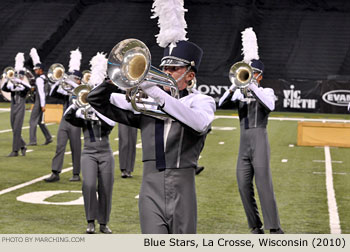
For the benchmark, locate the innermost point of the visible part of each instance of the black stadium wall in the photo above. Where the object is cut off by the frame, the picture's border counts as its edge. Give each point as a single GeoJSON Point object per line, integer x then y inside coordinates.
{"type": "Point", "coordinates": [304, 44]}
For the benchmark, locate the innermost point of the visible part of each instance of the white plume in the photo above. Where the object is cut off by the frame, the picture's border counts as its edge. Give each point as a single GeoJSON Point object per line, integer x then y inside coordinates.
{"type": "Point", "coordinates": [19, 62]}
{"type": "Point", "coordinates": [249, 45]}
{"type": "Point", "coordinates": [74, 62]}
{"type": "Point", "coordinates": [35, 57]}
{"type": "Point", "coordinates": [171, 21]}
{"type": "Point", "coordinates": [98, 69]}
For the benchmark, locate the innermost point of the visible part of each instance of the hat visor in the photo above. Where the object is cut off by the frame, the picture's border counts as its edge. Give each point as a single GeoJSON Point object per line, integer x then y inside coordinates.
{"type": "Point", "coordinates": [172, 62]}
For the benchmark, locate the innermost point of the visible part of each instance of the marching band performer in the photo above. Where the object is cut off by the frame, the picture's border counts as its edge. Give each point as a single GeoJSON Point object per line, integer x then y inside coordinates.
{"type": "Point", "coordinates": [254, 149]}
{"type": "Point", "coordinates": [19, 89]}
{"type": "Point", "coordinates": [39, 102]}
{"type": "Point", "coordinates": [97, 159]}
{"type": "Point", "coordinates": [171, 146]}
{"type": "Point", "coordinates": [66, 130]}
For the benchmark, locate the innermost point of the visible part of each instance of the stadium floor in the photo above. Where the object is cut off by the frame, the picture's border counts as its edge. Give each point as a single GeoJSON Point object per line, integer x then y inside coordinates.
{"type": "Point", "coordinates": [299, 178]}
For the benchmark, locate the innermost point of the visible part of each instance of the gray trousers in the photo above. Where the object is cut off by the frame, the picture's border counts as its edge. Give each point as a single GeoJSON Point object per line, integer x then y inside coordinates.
{"type": "Point", "coordinates": [36, 119]}
{"type": "Point", "coordinates": [127, 147]}
{"type": "Point", "coordinates": [254, 159]}
{"type": "Point", "coordinates": [67, 131]}
{"type": "Point", "coordinates": [98, 167]}
{"type": "Point", "coordinates": [167, 203]}
{"type": "Point", "coordinates": [16, 119]}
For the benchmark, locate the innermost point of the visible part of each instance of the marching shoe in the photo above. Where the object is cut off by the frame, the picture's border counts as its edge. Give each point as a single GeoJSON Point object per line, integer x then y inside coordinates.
{"type": "Point", "coordinates": [276, 231]}
{"type": "Point", "coordinates": [128, 174]}
{"type": "Point", "coordinates": [199, 169]}
{"type": "Point", "coordinates": [105, 229]}
{"type": "Point", "coordinates": [13, 154]}
{"type": "Point", "coordinates": [75, 178]}
{"type": "Point", "coordinates": [53, 177]}
{"type": "Point", "coordinates": [23, 150]}
{"type": "Point", "coordinates": [124, 174]}
{"type": "Point", "coordinates": [47, 141]}
{"type": "Point", "coordinates": [90, 228]}
{"type": "Point", "coordinates": [31, 144]}
{"type": "Point", "coordinates": [257, 231]}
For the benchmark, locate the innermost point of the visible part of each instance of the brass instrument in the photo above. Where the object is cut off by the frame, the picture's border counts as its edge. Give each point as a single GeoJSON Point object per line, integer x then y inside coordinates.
{"type": "Point", "coordinates": [56, 73]}
{"type": "Point", "coordinates": [9, 72]}
{"type": "Point", "coordinates": [241, 74]}
{"type": "Point", "coordinates": [129, 63]}
{"type": "Point", "coordinates": [81, 92]}
{"type": "Point", "coordinates": [86, 77]}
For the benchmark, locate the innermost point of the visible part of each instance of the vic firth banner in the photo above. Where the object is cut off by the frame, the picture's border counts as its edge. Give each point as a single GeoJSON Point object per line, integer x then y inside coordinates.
{"type": "Point", "coordinates": [328, 96]}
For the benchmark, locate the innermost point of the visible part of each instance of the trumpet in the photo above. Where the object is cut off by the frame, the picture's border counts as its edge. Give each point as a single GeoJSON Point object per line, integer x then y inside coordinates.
{"type": "Point", "coordinates": [56, 73]}
{"type": "Point", "coordinates": [241, 74]}
{"type": "Point", "coordinates": [129, 63]}
{"type": "Point", "coordinates": [81, 92]}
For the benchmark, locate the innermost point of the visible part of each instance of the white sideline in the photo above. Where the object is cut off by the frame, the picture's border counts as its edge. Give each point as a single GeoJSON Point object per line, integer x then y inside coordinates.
{"type": "Point", "coordinates": [38, 179]}
{"type": "Point", "coordinates": [31, 182]}
{"type": "Point", "coordinates": [290, 119]}
{"type": "Point", "coordinates": [334, 222]}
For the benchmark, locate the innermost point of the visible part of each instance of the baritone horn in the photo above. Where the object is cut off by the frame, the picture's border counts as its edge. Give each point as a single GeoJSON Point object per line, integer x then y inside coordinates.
{"type": "Point", "coordinates": [86, 77]}
{"type": "Point", "coordinates": [9, 72]}
{"type": "Point", "coordinates": [81, 92]}
{"type": "Point", "coordinates": [56, 73]}
{"type": "Point", "coordinates": [129, 63]}
{"type": "Point", "coordinates": [241, 74]}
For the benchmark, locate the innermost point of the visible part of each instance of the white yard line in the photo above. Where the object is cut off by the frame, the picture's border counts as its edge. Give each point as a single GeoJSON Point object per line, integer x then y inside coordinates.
{"type": "Point", "coordinates": [31, 182]}
{"type": "Point", "coordinates": [290, 119]}
{"type": "Point", "coordinates": [334, 222]}
{"type": "Point", "coordinates": [37, 180]}
{"type": "Point", "coordinates": [25, 127]}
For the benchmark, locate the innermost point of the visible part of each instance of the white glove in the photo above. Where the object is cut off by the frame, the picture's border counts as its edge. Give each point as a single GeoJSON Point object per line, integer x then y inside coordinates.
{"type": "Point", "coordinates": [349, 106]}
{"type": "Point", "coordinates": [79, 114]}
{"type": "Point", "coordinates": [152, 90]}
{"type": "Point", "coordinates": [237, 95]}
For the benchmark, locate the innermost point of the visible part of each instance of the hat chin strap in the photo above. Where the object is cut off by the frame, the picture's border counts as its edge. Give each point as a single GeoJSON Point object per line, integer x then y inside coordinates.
{"type": "Point", "coordinates": [183, 75]}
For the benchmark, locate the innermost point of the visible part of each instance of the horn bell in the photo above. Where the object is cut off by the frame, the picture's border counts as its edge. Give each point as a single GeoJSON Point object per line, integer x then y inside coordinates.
{"type": "Point", "coordinates": [241, 74]}
{"type": "Point", "coordinates": [128, 63]}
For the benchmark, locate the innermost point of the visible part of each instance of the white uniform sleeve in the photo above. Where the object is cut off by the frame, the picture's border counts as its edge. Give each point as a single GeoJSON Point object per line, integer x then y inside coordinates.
{"type": "Point", "coordinates": [40, 88]}
{"type": "Point", "coordinates": [120, 101]}
{"type": "Point", "coordinates": [72, 83]}
{"type": "Point", "coordinates": [265, 96]}
{"type": "Point", "coordinates": [53, 87]}
{"type": "Point", "coordinates": [349, 106]}
{"type": "Point", "coordinates": [62, 91]}
{"type": "Point", "coordinates": [232, 88]}
{"type": "Point", "coordinates": [10, 85]}
{"type": "Point", "coordinates": [21, 82]}
{"type": "Point", "coordinates": [104, 118]}
{"type": "Point", "coordinates": [224, 97]}
{"type": "Point", "coordinates": [19, 87]}
{"type": "Point", "coordinates": [198, 114]}
{"type": "Point", "coordinates": [72, 106]}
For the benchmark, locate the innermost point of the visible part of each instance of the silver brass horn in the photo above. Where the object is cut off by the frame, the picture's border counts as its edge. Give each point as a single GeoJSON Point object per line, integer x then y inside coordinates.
{"type": "Point", "coordinates": [241, 74]}
{"type": "Point", "coordinates": [56, 72]}
{"type": "Point", "coordinates": [86, 77]}
{"type": "Point", "coordinates": [9, 72]}
{"type": "Point", "coordinates": [81, 92]}
{"type": "Point", "coordinates": [129, 63]}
